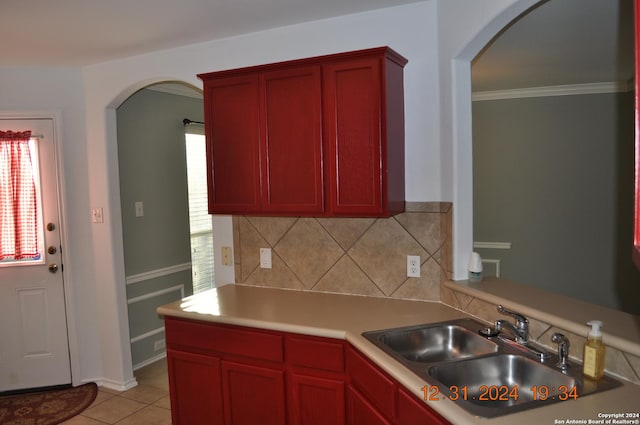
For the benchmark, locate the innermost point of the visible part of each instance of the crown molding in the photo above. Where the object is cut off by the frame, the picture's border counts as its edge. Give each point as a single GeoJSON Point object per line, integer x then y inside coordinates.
{"type": "Point", "coordinates": [561, 90]}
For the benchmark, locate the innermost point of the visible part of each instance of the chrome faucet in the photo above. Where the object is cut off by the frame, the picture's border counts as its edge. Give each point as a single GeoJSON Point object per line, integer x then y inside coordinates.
{"type": "Point", "coordinates": [520, 333]}
{"type": "Point", "coordinates": [563, 350]}
{"type": "Point", "coordinates": [520, 330]}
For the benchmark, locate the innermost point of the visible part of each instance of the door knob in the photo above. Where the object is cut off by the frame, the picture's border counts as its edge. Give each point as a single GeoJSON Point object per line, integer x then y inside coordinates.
{"type": "Point", "coordinates": [51, 227]}
{"type": "Point", "coordinates": [53, 268]}
{"type": "Point", "coordinates": [52, 250]}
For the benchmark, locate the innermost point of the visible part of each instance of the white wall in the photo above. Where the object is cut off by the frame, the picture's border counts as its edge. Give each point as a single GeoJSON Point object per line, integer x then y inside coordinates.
{"type": "Point", "coordinates": [465, 28]}
{"type": "Point", "coordinates": [431, 34]}
{"type": "Point", "coordinates": [411, 30]}
{"type": "Point", "coordinates": [32, 90]}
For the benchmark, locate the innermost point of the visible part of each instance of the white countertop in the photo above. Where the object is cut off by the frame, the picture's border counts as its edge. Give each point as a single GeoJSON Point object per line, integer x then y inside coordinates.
{"type": "Point", "coordinates": [347, 316]}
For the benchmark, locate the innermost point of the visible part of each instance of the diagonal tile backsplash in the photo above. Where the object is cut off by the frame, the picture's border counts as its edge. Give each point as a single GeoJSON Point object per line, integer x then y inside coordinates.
{"type": "Point", "coordinates": [368, 256]}
{"type": "Point", "coordinates": [362, 256]}
{"type": "Point", "coordinates": [308, 250]}
{"type": "Point", "coordinates": [622, 364]}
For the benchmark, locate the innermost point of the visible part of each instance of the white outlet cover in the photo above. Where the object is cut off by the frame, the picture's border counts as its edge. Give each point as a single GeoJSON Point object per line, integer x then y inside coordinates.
{"type": "Point", "coordinates": [226, 256]}
{"type": "Point", "coordinates": [413, 266]}
{"type": "Point", "coordinates": [265, 258]}
{"type": "Point", "coordinates": [159, 345]}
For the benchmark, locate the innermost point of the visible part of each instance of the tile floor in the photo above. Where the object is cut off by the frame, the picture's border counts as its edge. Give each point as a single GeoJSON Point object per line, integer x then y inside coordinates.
{"type": "Point", "coordinates": [145, 404]}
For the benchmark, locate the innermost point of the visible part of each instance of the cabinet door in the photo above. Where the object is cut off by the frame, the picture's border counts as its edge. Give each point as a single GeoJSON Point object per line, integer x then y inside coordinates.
{"type": "Point", "coordinates": [293, 141]}
{"type": "Point", "coordinates": [195, 388]}
{"type": "Point", "coordinates": [374, 383]}
{"type": "Point", "coordinates": [316, 401]}
{"type": "Point", "coordinates": [232, 108]}
{"type": "Point", "coordinates": [352, 125]}
{"type": "Point", "coordinates": [361, 412]}
{"type": "Point", "coordinates": [253, 395]}
{"type": "Point", "coordinates": [412, 411]}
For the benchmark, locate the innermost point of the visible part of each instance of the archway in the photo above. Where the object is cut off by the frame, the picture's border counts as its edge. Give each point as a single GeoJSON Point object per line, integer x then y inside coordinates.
{"type": "Point", "coordinates": [461, 135]}
{"type": "Point", "coordinates": [152, 167]}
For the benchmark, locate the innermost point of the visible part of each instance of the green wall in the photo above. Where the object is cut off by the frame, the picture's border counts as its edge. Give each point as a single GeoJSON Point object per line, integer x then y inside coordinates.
{"type": "Point", "coordinates": [554, 176]}
{"type": "Point", "coordinates": [152, 169]}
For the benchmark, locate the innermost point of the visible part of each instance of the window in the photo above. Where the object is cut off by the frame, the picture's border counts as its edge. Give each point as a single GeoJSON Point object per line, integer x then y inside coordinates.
{"type": "Point", "coordinates": [21, 238]}
{"type": "Point", "coordinates": [200, 223]}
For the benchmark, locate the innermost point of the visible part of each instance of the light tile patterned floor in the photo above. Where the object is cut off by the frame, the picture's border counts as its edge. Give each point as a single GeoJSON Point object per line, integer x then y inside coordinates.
{"type": "Point", "coordinates": [145, 404]}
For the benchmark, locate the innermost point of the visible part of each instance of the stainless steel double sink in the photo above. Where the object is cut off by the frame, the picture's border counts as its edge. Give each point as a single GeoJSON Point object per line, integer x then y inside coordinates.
{"type": "Point", "coordinates": [486, 375]}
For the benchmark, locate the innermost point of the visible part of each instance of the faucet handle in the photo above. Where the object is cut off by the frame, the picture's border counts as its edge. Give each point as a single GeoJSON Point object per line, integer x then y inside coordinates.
{"type": "Point", "coordinates": [520, 319]}
{"type": "Point", "coordinates": [563, 350]}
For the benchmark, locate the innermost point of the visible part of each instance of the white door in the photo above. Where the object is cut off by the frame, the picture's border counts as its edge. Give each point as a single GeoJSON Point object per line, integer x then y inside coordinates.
{"type": "Point", "coordinates": [34, 349]}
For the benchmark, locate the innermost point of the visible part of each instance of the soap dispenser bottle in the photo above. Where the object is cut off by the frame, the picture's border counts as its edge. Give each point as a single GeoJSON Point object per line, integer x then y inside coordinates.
{"type": "Point", "coordinates": [593, 366]}
{"type": "Point", "coordinates": [475, 267]}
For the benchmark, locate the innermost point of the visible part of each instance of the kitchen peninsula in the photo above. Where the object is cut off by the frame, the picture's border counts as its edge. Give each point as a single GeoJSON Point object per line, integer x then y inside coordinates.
{"type": "Point", "coordinates": [315, 335]}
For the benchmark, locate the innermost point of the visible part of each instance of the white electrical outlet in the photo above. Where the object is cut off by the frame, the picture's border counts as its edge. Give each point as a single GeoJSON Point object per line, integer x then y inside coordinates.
{"type": "Point", "coordinates": [226, 256]}
{"type": "Point", "coordinates": [159, 345]}
{"type": "Point", "coordinates": [413, 266]}
{"type": "Point", "coordinates": [265, 258]}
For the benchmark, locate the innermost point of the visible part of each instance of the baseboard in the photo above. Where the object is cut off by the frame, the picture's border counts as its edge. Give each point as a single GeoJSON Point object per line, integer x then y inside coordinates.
{"type": "Point", "coordinates": [115, 385]}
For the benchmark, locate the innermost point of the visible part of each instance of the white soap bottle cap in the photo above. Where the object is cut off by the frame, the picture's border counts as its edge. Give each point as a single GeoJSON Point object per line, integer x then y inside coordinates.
{"type": "Point", "coordinates": [475, 263]}
{"type": "Point", "coordinates": [595, 328]}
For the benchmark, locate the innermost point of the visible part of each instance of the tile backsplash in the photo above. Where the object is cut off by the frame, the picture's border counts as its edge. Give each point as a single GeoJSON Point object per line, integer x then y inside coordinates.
{"type": "Point", "coordinates": [362, 256]}
{"type": "Point", "coordinates": [620, 363]}
{"type": "Point", "coordinates": [368, 256]}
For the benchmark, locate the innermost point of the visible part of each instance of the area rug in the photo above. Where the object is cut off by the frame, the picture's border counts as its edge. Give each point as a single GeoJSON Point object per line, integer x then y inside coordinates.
{"type": "Point", "coordinates": [46, 407]}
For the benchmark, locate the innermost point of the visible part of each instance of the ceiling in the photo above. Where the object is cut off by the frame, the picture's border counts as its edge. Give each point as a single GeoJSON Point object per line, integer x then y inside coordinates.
{"type": "Point", "coordinates": [560, 42]}
{"type": "Point", "coordinates": [82, 32]}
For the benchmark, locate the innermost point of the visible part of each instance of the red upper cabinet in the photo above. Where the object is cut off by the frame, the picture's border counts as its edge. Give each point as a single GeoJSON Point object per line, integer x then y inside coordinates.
{"type": "Point", "coordinates": [233, 104]}
{"type": "Point", "coordinates": [320, 136]}
{"type": "Point", "coordinates": [292, 146]}
{"type": "Point", "coordinates": [264, 142]}
{"type": "Point", "coordinates": [364, 134]}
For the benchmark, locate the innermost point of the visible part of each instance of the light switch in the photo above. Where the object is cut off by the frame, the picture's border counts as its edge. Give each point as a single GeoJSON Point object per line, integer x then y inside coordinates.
{"type": "Point", "coordinates": [265, 258]}
{"type": "Point", "coordinates": [139, 209]}
{"type": "Point", "coordinates": [96, 215]}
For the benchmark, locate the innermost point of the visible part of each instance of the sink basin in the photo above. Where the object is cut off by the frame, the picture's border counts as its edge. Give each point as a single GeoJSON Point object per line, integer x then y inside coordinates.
{"type": "Point", "coordinates": [482, 374]}
{"type": "Point", "coordinates": [435, 343]}
{"type": "Point", "coordinates": [490, 381]}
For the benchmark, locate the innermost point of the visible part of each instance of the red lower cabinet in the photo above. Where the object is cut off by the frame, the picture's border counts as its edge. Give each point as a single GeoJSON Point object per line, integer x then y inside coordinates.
{"type": "Point", "coordinates": [374, 384]}
{"type": "Point", "coordinates": [361, 412]}
{"type": "Point", "coordinates": [413, 411]}
{"type": "Point", "coordinates": [316, 380]}
{"type": "Point", "coordinates": [231, 375]}
{"type": "Point", "coordinates": [316, 401]}
{"type": "Point", "coordinates": [252, 395]}
{"type": "Point", "coordinates": [196, 393]}
{"type": "Point", "coordinates": [377, 398]}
